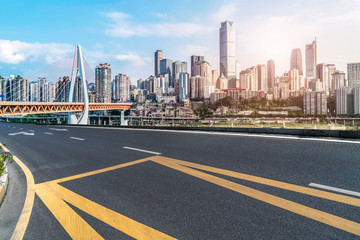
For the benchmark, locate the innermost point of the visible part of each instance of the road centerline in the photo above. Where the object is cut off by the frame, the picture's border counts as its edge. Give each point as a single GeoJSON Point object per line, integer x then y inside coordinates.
{"type": "Point", "coordinates": [335, 189]}
{"type": "Point", "coordinates": [142, 150]}
{"type": "Point", "coordinates": [76, 138]}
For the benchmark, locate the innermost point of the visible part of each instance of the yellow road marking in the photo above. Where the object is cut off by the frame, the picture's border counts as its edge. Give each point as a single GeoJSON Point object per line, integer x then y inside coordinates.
{"type": "Point", "coordinates": [29, 200]}
{"type": "Point", "coordinates": [329, 219]}
{"type": "Point", "coordinates": [82, 175]}
{"type": "Point", "coordinates": [287, 186]}
{"type": "Point", "coordinates": [54, 195]}
{"type": "Point", "coordinates": [75, 226]}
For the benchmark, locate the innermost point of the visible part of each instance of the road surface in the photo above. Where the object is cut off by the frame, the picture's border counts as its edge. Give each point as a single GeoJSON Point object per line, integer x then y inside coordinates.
{"type": "Point", "coordinates": [129, 183]}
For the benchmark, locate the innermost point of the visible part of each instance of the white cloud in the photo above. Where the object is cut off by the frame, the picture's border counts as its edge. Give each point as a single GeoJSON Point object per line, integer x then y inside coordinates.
{"type": "Point", "coordinates": [161, 15]}
{"type": "Point", "coordinates": [132, 58]}
{"type": "Point", "coordinates": [225, 12]}
{"type": "Point", "coordinates": [123, 26]}
{"type": "Point", "coordinates": [15, 52]}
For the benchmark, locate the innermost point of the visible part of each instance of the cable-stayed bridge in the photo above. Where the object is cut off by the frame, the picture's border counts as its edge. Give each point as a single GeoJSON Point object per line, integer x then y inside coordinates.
{"type": "Point", "coordinates": [43, 94]}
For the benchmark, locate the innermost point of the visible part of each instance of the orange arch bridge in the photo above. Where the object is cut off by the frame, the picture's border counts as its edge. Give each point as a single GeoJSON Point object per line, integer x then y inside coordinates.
{"type": "Point", "coordinates": [24, 108]}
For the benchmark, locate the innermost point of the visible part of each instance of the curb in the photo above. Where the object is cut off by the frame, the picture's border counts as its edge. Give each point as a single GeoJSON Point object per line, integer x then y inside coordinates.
{"type": "Point", "coordinates": [343, 134]}
{"type": "Point", "coordinates": [4, 181]}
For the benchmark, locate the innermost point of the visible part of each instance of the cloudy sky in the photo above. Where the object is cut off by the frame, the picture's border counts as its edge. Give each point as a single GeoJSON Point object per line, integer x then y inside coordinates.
{"type": "Point", "coordinates": [33, 34]}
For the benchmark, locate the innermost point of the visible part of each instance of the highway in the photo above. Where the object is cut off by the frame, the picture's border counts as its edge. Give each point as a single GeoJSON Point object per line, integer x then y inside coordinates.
{"type": "Point", "coordinates": [111, 183]}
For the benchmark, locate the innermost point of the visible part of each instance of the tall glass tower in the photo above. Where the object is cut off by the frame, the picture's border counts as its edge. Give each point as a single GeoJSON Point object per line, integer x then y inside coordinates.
{"type": "Point", "coordinates": [311, 59]}
{"type": "Point", "coordinates": [296, 60]}
{"type": "Point", "coordinates": [227, 50]}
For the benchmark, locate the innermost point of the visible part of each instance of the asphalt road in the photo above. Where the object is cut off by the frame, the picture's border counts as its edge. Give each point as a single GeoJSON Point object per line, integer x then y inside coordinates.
{"type": "Point", "coordinates": [161, 195]}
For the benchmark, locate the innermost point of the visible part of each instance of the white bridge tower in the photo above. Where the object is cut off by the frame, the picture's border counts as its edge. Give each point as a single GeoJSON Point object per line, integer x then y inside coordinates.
{"type": "Point", "coordinates": [78, 70]}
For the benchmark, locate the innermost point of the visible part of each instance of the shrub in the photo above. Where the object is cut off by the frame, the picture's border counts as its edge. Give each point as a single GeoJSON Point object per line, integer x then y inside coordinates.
{"type": "Point", "coordinates": [5, 159]}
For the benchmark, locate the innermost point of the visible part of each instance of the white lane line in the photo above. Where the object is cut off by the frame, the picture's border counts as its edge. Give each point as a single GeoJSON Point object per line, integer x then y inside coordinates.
{"type": "Point", "coordinates": [48, 133]}
{"type": "Point", "coordinates": [59, 129]}
{"type": "Point", "coordinates": [80, 139]}
{"type": "Point", "coordinates": [31, 130]}
{"type": "Point", "coordinates": [142, 150]}
{"type": "Point", "coordinates": [21, 133]}
{"type": "Point", "coordinates": [236, 134]}
{"type": "Point", "coordinates": [334, 189]}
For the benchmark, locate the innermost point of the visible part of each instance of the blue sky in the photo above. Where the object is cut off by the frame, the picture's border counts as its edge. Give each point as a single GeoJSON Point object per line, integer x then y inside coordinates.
{"type": "Point", "coordinates": [126, 33]}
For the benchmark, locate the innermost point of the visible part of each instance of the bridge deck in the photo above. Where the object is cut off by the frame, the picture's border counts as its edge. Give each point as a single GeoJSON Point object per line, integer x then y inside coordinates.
{"type": "Point", "coordinates": [24, 108]}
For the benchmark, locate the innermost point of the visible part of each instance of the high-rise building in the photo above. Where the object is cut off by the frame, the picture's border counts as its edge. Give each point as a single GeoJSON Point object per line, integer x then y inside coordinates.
{"type": "Point", "coordinates": [315, 103]}
{"type": "Point", "coordinates": [178, 67]}
{"type": "Point", "coordinates": [227, 50]}
{"type": "Point", "coordinates": [159, 55]}
{"type": "Point", "coordinates": [331, 70]}
{"type": "Point", "coordinates": [204, 69]}
{"type": "Point", "coordinates": [18, 89]}
{"type": "Point", "coordinates": [184, 86]}
{"type": "Point", "coordinates": [338, 80]}
{"type": "Point", "coordinates": [262, 78]}
{"type": "Point", "coordinates": [194, 60]}
{"type": "Point", "coordinates": [271, 73]}
{"type": "Point", "coordinates": [197, 87]}
{"type": "Point", "coordinates": [3, 88]}
{"type": "Point", "coordinates": [353, 70]}
{"type": "Point", "coordinates": [311, 59]}
{"type": "Point", "coordinates": [322, 73]}
{"type": "Point", "coordinates": [344, 101]}
{"type": "Point", "coordinates": [103, 83]}
{"type": "Point", "coordinates": [166, 69]}
{"type": "Point", "coordinates": [294, 79]}
{"type": "Point", "coordinates": [62, 89]}
{"type": "Point", "coordinates": [296, 60]}
{"type": "Point", "coordinates": [122, 88]}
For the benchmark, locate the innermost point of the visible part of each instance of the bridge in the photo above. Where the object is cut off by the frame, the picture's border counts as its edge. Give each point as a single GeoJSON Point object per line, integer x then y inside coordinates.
{"type": "Point", "coordinates": [78, 112]}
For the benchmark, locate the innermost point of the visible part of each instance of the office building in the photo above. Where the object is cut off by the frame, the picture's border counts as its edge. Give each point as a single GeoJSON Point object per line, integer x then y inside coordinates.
{"type": "Point", "coordinates": [311, 59]}
{"type": "Point", "coordinates": [296, 60]}
{"type": "Point", "coordinates": [194, 60]}
{"type": "Point", "coordinates": [103, 83]}
{"type": "Point", "coordinates": [338, 80]}
{"type": "Point", "coordinates": [159, 55]}
{"type": "Point", "coordinates": [262, 78]}
{"type": "Point", "coordinates": [271, 73]}
{"type": "Point", "coordinates": [197, 87]}
{"type": "Point", "coordinates": [204, 69]}
{"type": "Point", "coordinates": [184, 87]}
{"type": "Point", "coordinates": [344, 101]}
{"type": "Point", "coordinates": [294, 79]}
{"type": "Point", "coordinates": [353, 70]}
{"type": "Point", "coordinates": [227, 50]}
{"type": "Point", "coordinates": [166, 68]}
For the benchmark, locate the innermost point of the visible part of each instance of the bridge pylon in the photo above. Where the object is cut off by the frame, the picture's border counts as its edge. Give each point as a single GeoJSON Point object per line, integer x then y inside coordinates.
{"type": "Point", "coordinates": [78, 70]}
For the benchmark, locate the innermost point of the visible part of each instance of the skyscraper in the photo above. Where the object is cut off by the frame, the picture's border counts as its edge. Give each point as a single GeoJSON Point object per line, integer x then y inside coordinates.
{"type": "Point", "coordinates": [296, 60]}
{"type": "Point", "coordinates": [194, 60]}
{"type": "Point", "coordinates": [311, 59]}
{"type": "Point", "coordinates": [103, 83]}
{"type": "Point", "coordinates": [271, 73]}
{"type": "Point", "coordinates": [262, 80]}
{"type": "Point", "coordinates": [353, 70]}
{"type": "Point", "coordinates": [159, 55]}
{"type": "Point", "coordinates": [166, 68]}
{"type": "Point", "coordinates": [122, 88]}
{"type": "Point", "coordinates": [184, 85]}
{"type": "Point", "coordinates": [227, 50]}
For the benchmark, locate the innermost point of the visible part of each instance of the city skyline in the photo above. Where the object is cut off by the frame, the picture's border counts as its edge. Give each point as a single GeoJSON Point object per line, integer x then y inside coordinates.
{"type": "Point", "coordinates": [128, 43]}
